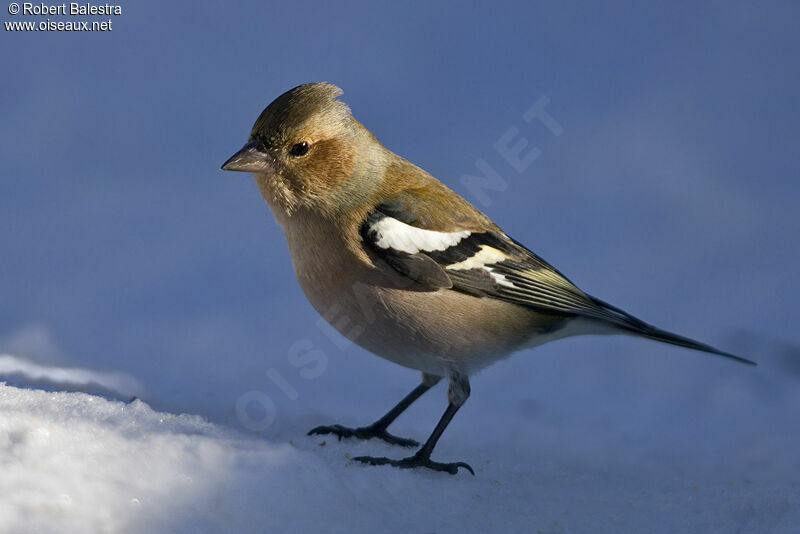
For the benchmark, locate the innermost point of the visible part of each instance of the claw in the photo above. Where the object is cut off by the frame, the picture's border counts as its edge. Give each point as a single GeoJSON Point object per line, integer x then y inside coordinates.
{"type": "Point", "coordinates": [416, 461]}
{"type": "Point", "coordinates": [364, 432]}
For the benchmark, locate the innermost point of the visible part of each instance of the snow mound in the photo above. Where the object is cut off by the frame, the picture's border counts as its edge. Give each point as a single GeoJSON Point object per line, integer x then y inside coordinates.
{"type": "Point", "coordinates": [73, 462]}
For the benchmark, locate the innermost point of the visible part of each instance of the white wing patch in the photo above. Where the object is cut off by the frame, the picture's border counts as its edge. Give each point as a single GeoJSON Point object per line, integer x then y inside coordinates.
{"type": "Point", "coordinates": [485, 256]}
{"type": "Point", "coordinates": [500, 278]}
{"type": "Point", "coordinates": [481, 260]}
{"type": "Point", "coordinates": [397, 235]}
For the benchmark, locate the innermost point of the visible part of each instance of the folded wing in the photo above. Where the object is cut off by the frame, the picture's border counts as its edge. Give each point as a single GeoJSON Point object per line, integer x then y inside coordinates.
{"type": "Point", "coordinates": [485, 262]}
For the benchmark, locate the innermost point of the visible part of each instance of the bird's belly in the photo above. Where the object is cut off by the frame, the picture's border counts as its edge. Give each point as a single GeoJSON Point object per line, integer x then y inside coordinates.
{"type": "Point", "coordinates": [433, 331]}
{"type": "Point", "coordinates": [369, 315]}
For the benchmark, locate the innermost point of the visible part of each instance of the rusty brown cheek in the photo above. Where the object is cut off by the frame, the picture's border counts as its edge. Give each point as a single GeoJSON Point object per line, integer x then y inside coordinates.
{"type": "Point", "coordinates": [329, 164]}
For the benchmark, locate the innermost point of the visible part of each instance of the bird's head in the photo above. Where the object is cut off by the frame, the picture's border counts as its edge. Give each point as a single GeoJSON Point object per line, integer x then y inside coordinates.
{"type": "Point", "coordinates": [307, 151]}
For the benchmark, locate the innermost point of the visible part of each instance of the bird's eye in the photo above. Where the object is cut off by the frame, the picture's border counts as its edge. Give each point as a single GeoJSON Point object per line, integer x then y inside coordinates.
{"type": "Point", "coordinates": [299, 149]}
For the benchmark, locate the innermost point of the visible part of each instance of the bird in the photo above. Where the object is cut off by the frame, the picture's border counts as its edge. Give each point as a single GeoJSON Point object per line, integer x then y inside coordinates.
{"type": "Point", "coordinates": [406, 268]}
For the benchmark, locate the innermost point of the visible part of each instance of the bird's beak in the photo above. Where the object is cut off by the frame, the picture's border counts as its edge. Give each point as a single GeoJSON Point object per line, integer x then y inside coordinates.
{"type": "Point", "coordinates": [251, 158]}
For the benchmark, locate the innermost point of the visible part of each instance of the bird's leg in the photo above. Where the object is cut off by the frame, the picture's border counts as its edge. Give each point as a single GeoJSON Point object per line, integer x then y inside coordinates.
{"type": "Point", "coordinates": [457, 394]}
{"type": "Point", "coordinates": [378, 428]}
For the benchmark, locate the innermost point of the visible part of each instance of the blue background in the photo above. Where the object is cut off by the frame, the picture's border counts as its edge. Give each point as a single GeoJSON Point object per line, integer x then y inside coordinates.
{"type": "Point", "coordinates": [672, 192]}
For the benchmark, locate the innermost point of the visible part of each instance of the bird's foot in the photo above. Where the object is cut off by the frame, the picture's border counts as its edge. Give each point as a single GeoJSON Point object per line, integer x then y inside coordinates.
{"type": "Point", "coordinates": [364, 432]}
{"type": "Point", "coordinates": [416, 461]}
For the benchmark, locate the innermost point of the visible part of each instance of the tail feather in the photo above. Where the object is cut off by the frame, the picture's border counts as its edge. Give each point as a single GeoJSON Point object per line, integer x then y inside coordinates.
{"type": "Point", "coordinates": [674, 339]}
{"type": "Point", "coordinates": [637, 327]}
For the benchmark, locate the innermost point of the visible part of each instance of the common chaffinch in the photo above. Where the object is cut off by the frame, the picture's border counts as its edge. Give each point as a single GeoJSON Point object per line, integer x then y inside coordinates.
{"type": "Point", "coordinates": [403, 266]}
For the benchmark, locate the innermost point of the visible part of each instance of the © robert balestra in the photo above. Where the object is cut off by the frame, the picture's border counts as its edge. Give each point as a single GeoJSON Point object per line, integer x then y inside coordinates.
{"type": "Point", "coordinates": [29, 8]}
{"type": "Point", "coordinates": [418, 275]}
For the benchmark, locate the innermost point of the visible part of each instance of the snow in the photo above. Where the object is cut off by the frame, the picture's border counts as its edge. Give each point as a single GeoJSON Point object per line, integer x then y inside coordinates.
{"type": "Point", "coordinates": [77, 462]}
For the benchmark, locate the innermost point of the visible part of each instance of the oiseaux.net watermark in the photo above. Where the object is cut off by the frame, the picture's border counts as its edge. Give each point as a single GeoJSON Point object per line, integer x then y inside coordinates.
{"type": "Point", "coordinates": [65, 17]}
{"type": "Point", "coordinates": [514, 154]}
